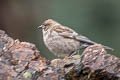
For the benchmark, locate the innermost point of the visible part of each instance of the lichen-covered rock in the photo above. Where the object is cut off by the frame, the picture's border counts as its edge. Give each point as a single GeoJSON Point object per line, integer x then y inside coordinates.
{"type": "Point", "coordinates": [22, 61]}
{"type": "Point", "coordinates": [95, 64]}
{"type": "Point", "coordinates": [17, 57]}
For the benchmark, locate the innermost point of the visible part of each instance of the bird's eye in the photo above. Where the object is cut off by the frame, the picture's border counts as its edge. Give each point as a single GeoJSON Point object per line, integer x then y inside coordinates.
{"type": "Point", "coordinates": [46, 24]}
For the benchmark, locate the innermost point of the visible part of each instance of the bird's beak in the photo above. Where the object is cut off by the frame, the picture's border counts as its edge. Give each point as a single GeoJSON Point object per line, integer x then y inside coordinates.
{"type": "Point", "coordinates": [40, 27]}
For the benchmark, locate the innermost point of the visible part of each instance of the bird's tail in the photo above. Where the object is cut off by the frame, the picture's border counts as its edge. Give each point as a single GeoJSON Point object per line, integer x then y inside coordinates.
{"type": "Point", "coordinates": [106, 47]}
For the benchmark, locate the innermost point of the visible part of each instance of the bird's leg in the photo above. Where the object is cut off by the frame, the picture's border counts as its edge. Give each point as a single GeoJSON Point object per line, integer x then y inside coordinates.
{"type": "Point", "coordinates": [75, 52]}
{"type": "Point", "coordinates": [72, 54]}
{"type": "Point", "coordinates": [83, 46]}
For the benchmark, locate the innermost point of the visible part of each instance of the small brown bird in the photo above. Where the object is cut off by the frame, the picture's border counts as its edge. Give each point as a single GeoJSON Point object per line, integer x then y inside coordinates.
{"type": "Point", "coordinates": [63, 41]}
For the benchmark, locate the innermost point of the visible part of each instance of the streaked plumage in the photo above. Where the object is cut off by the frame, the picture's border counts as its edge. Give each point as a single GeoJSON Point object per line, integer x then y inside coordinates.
{"type": "Point", "coordinates": [62, 40]}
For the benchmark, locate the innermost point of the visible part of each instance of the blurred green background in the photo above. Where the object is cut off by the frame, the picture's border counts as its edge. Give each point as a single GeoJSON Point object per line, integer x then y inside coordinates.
{"type": "Point", "coordinates": [99, 20]}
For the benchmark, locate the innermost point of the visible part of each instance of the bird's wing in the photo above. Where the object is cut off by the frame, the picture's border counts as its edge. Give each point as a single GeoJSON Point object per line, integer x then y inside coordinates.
{"type": "Point", "coordinates": [69, 33]}
{"type": "Point", "coordinates": [65, 31]}
{"type": "Point", "coordinates": [84, 39]}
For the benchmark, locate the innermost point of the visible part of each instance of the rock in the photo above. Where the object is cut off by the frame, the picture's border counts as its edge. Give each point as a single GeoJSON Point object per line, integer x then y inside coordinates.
{"type": "Point", "coordinates": [22, 61]}
{"type": "Point", "coordinates": [95, 64]}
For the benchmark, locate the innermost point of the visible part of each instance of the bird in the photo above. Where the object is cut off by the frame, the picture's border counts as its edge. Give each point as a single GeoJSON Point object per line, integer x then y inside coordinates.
{"type": "Point", "coordinates": [63, 41]}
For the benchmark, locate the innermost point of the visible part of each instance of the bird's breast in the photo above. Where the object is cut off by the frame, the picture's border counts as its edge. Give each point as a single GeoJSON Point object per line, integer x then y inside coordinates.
{"type": "Point", "coordinates": [61, 46]}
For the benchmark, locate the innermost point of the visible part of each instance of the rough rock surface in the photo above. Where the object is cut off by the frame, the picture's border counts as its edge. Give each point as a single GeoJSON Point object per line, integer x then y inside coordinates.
{"type": "Point", "coordinates": [22, 61]}
{"type": "Point", "coordinates": [96, 64]}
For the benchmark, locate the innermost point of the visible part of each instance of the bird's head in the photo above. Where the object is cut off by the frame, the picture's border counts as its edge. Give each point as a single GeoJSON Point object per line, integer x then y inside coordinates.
{"type": "Point", "coordinates": [48, 24]}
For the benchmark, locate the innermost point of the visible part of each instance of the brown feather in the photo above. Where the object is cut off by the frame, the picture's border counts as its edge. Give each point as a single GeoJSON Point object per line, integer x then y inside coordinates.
{"type": "Point", "coordinates": [61, 30]}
